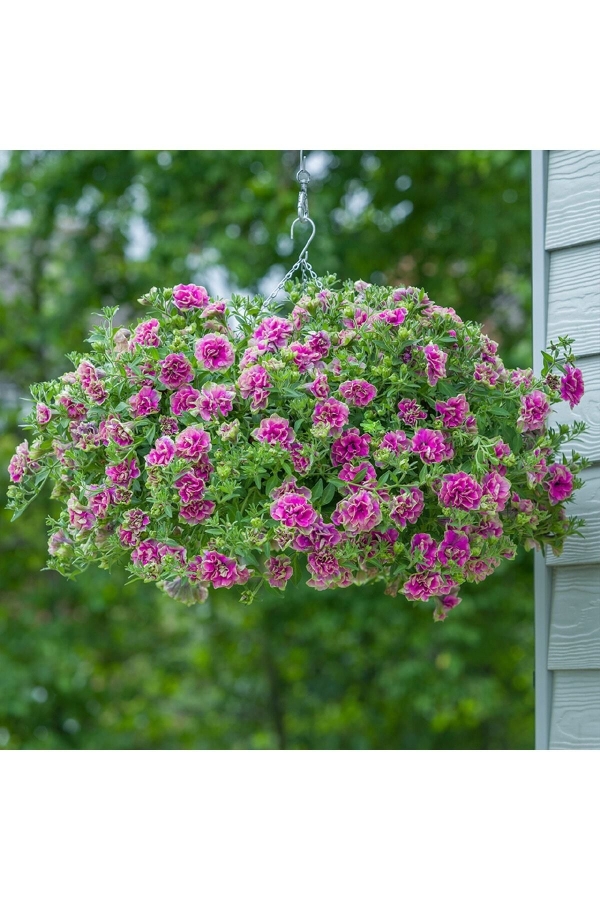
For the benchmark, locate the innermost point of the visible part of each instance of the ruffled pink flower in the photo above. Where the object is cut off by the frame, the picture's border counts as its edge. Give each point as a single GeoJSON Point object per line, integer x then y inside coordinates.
{"type": "Point", "coordinates": [454, 548]}
{"type": "Point", "coordinates": [304, 357]}
{"type": "Point", "coordinates": [280, 571]}
{"type": "Point", "coordinates": [361, 286]}
{"type": "Point", "coordinates": [534, 410]}
{"type": "Point", "coordinates": [80, 517]}
{"type": "Point", "coordinates": [431, 447]}
{"type": "Point", "coordinates": [123, 473]}
{"type": "Point", "coordinates": [252, 354]}
{"type": "Point", "coordinates": [99, 499]}
{"type": "Point", "coordinates": [501, 450]}
{"type": "Point", "coordinates": [87, 374]}
{"type": "Point", "coordinates": [21, 463]}
{"type": "Point", "coordinates": [293, 511]}
{"type": "Point", "coordinates": [479, 569]}
{"type": "Point", "coordinates": [221, 571]}
{"type": "Point", "coordinates": [215, 400]}
{"type": "Point", "coordinates": [197, 511]}
{"type": "Point", "coordinates": [350, 445]}
{"type": "Point", "coordinates": [407, 506]}
{"type": "Point", "coordinates": [361, 476]}
{"type": "Point", "coordinates": [75, 411]}
{"type": "Point", "coordinates": [146, 334]}
{"type": "Point", "coordinates": [146, 553]}
{"type": "Point", "coordinates": [332, 413]}
{"type": "Point", "coordinates": [43, 414]}
{"type": "Point", "coordinates": [497, 487]}
{"type": "Point", "coordinates": [319, 343]}
{"type": "Point", "coordinates": [213, 351]}
{"type": "Point", "coordinates": [460, 491]}
{"type": "Point", "coordinates": [427, 547]}
{"type": "Point", "coordinates": [486, 373]}
{"type": "Point", "coordinates": [192, 443]}
{"type": "Point", "coordinates": [395, 441]}
{"type": "Point", "coordinates": [410, 412]}
{"type": "Point", "coordinates": [522, 377]}
{"type": "Point", "coordinates": [436, 363]}
{"type": "Point", "coordinates": [191, 486]}
{"type": "Point", "coordinates": [274, 331]}
{"type": "Point", "coordinates": [135, 522]}
{"type": "Point", "coordinates": [184, 400]}
{"type": "Point", "coordinates": [145, 402]}
{"type": "Point", "coordinates": [59, 543]}
{"type": "Point", "coordinates": [422, 586]}
{"type": "Point", "coordinates": [560, 483]}
{"type": "Point", "coordinates": [117, 432]}
{"type": "Point", "coordinates": [571, 386]}
{"type": "Point", "coordinates": [274, 430]}
{"type": "Point", "coordinates": [324, 566]}
{"type": "Point", "coordinates": [190, 296]}
{"type": "Point", "coordinates": [393, 316]}
{"type": "Point", "coordinates": [213, 310]}
{"type": "Point", "coordinates": [254, 383]}
{"type": "Point", "coordinates": [537, 471]}
{"type": "Point", "coordinates": [319, 387]}
{"type": "Point", "coordinates": [358, 512]}
{"type": "Point", "coordinates": [162, 453]}
{"type": "Point", "coordinates": [453, 411]}
{"type": "Point", "coordinates": [290, 486]}
{"type": "Point", "coordinates": [358, 392]}
{"type": "Point", "coordinates": [175, 371]}
{"type": "Point", "coordinates": [319, 536]}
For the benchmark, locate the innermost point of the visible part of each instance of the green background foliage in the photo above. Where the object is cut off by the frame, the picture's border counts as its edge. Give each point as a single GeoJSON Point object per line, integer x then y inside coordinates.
{"type": "Point", "coordinates": [95, 664]}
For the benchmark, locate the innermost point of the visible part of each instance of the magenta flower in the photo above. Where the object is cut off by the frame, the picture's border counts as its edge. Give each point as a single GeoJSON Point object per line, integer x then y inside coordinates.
{"type": "Point", "coordinates": [319, 387]}
{"type": "Point", "coordinates": [59, 543]}
{"type": "Point", "coordinates": [454, 548]}
{"type": "Point", "coordinates": [80, 517]}
{"type": "Point", "coordinates": [213, 351]}
{"type": "Point", "coordinates": [304, 356]}
{"type": "Point", "coordinates": [162, 453]}
{"type": "Point", "coordinates": [533, 412]}
{"type": "Point", "coordinates": [393, 316]}
{"type": "Point", "coordinates": [280, 571]}
{"type": "Point", "coordinates": [460, 491]}
{"type": "Point", "coordinates": [192, 443]}
{"type": "Point", "coordinates": [560, 483]}
{"type": "Point", "coordinates": [99, 499]}
{"type": "Point", "coordinates": [175, 371]}
{"type": "Point", "coordinates": [522, 377]}
{"type": "Point", "coordinates": [190, 296]}
{"type": "Point", "coordinates": [146, 334]}
{"type": "Point", "coordinates": [319, 536]}
{"type": "Point", "coordinates": [274, 331]}
{"type": "Point", "coordinates": [501, 449]}
{"type": "Point", "coordinates": [290, 486]}
{"type": "Point", "coordinates": [361, 286]}
{"type": "Point", "coordinates": [332, 413]}
{"type": "Point", "coordinates": [274, 430]}
{"type": "Point", "coordinates": [117, 432]}
{"type": "Point", "coordinates": [197, 511]}
{"type": "Point", "coordinates": [487, 373]}
{"type": "Point", "coordinates": [410, 412]}
{"type": "Point", "coordinates": [213, 310]}
{"type": "Point", "coordinates": [146, 553]}
{"type": "Point", "coordinates": [358, 512]}
{"type": "Point", "coordinates": [324, 566]}
{"type": "Point", "coordinates": [96, 392]}
{"type": "Point", "coordinates": [123, 473]}
{"type": "Point", "coordinates": [75, 411]}
{"type": "Point", "coordinates": [350, 445]}
{"type": "Point", "coordinates": [430, 446]}
{"type": "Point", "coordinates": [362, 475]}
{"type": "Point", "coordinates": [219, 570]}
{"type": "Point", "coordinates": [358, 392]}
{"type": "Point", "coordinates": [145, 402]}
{"type": "Point", "coordinates": [426, 546]}
{"type": "Point", "coordinates": [43, 414]}
{"type": "Point", "coordinates": [254, 383]}
{"type": "Point", "coordinates": [436, 363]}
{"type": "Point", "coordinates": [453, 411]}
{"type": "Point", "coordinates": [191, 486]}
{"type": "Point", "coordinates": [293, 511]}
{"type": "Point", "coordinates": [20, 463]}
{"type": "Point", "coordinates": [319, 343]}
{"type": "Point", "coordinates": [215, 400]}
{"type": "Point", "coordinates": [497, 487]}
{"type": "Point", "coordinates": [395, 441]}
{"type": "Point", "coordinates": [571, 386]}
{"type": "Point", "coordinates": [184, 400]}
{"type": "Point", "coordinates": [407, 506]}
{"type": "Point", "coordinates": [479, 569]}
{"type": "Point", "coordinates": [422, 586]}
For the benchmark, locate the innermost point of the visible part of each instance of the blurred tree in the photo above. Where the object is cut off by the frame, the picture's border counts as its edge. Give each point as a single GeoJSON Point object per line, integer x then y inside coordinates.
{"type": "Point", "coordinates": [95, 664]}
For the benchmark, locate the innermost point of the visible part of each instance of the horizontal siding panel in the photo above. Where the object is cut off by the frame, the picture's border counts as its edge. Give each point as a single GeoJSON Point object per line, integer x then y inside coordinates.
{"type": "Point", "coordinates": [579, 550]}
{"type": "Point", "coordinates": [587, 411]}
{"type": "Point", "coordinates": [573, 209]}
{"type": "Point", "coordinates": [574, 297]}
{"type": "Point", "coordinates": [575, 722]}
{"type": "Point", "coordinates": [575, 620]}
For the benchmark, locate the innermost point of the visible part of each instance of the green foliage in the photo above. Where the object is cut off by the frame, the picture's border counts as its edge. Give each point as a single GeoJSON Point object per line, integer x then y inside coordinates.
{"type": "Point", "coordinates": [93, 664]}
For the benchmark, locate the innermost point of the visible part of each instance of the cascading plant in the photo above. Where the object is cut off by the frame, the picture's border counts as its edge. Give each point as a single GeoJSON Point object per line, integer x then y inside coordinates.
{"type": "Point", "coordinates": [362, 433]}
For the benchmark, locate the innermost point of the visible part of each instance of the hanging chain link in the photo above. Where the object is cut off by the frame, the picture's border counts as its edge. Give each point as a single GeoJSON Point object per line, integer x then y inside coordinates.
{"type": "Point", "coordinates": [307, 271]}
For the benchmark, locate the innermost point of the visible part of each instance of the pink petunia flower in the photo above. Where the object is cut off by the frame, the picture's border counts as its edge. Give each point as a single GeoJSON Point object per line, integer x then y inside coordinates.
{"type": "Point", "coordinates": [293, 511]}
{"type": "Point", "coordinates": [215, 400]}
{"type": "Point", "coordinates": [431, 447]}
{"type": "Point", "coordinates": [407, 506]}
{"type": "Point", "coordinates": [410, 412]}
{"type": "Point", "coordinates": [43, 414]}
{"type": "Point", "coordinates": [360, 511]}
{"type": "Point", "coordinates": [350, 445]}
{"type": "Point", "coordinates": [533, 412]}
{"type": "Point", "coordinates": [184, 400]}
{"type": "Point", "coordinates": [192, 443]}
{"type": "Point", "coordinates": [427, 547]}
{"type": "Point", "coordinates": [460, 491]}
{"type": "Point", "coordinates": [274, 430]}
{"type": "Point", "coordinates": [559, 484]}
{"type": "Point", "coordinates": [175, 371]}
{"type": "Point", "coordinates": [274, 331]}
{"type": "Point", "coordinates": [190, 296]}
{"type": "Point", "coordinates": [571, 386]}
{"type": "Point", "coordinates": [453, 411]}
{"type": "Point", "coordinates": [332, 413]}
{"type": "Point", "coordinates": [454, 548]}
{"type": "Point", "coordinates": [280, 571]}
{"type": "Point", "coordinates": [145, 402]}
{"type": "Point", "coordinates": [422, 586]}
{"type": "Point", "coordinates": [436, 363]}
{"type": "Point", "coordinates": [358, 392]}
{"type": "Point", "coordinates": [146, 334]}
{"type": "Point", "coordinates": [162, 453]}
{"type": "Point", "coordinates": [214, 351]}
{"type": "Point", "coordinates": [254, 383]}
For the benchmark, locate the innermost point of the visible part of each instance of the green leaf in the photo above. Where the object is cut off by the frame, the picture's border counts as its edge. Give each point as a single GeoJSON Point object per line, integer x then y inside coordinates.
{"type": "Point", "coordinates": [328, 494]}
{"type": "Point", "coordinates": [318, 489]}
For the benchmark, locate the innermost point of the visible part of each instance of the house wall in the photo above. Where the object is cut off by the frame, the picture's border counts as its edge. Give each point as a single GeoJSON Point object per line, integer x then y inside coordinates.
{"type": "Point", "coordinates": [566, 286]}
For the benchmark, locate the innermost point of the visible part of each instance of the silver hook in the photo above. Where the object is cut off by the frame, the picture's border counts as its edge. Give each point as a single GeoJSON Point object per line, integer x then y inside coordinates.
{"type": "Point", "coordinates": [304, 252]}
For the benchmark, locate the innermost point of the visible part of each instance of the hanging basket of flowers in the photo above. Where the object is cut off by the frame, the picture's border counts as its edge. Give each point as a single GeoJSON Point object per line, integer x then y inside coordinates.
{"type": "Point", "coordinates": [361, 434]}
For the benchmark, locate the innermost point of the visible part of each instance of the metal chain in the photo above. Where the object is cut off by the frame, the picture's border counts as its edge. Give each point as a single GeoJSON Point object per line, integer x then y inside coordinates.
{"type": "Point", "coordinates": [308, 273]}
